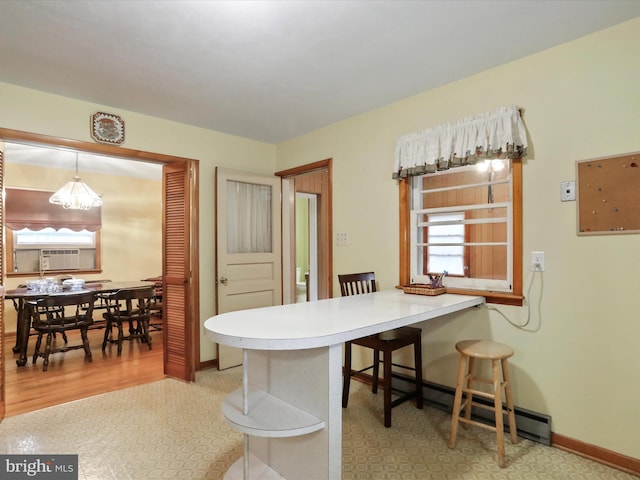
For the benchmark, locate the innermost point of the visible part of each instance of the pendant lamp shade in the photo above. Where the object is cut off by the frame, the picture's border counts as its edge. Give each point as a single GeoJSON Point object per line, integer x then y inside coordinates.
{"type": "Point", "coordinates": [76, 194]}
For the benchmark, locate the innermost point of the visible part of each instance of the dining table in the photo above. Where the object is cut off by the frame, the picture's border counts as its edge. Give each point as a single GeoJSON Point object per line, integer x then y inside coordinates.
{"type": "Point", "coordinates": [22, 296]}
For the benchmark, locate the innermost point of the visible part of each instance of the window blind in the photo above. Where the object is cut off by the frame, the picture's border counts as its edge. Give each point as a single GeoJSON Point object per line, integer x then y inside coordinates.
{"type": "Point", "coordinates": [31, 209]}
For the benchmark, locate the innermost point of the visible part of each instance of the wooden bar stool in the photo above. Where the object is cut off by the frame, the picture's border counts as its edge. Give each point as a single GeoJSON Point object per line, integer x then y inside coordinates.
{"type": "Point", "coordinates": [470, 350]}
{"type": "Point", "coordinates": [386, 343]}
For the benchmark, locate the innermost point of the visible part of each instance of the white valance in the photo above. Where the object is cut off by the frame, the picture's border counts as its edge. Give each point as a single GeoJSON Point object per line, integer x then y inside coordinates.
{"type": "Point", "coordinates": [497, 134]}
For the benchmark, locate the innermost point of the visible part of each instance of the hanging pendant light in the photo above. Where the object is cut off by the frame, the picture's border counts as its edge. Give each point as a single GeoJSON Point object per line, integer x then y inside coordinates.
{"type": "Point", "coordinates": [76, 195]}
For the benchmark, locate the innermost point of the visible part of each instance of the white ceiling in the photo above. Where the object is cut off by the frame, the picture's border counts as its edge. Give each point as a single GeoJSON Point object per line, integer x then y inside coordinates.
{"type": "Point", "coordinates": [272, 70]}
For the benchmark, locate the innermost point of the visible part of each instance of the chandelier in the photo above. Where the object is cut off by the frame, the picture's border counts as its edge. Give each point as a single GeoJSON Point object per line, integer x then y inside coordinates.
{"type": "Point", "coordinates": [76, 195]}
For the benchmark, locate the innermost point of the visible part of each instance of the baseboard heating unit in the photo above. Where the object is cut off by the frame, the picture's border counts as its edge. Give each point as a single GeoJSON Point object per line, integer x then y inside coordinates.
{"type": "Point", "coordinates": [531, 425]}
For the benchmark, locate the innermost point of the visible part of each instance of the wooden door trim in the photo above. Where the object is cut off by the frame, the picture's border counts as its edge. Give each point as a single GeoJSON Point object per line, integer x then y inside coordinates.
{"type": "Point", "coordinates": [19, 136]}
{"type": "Point", "coordinates": [310, 168]}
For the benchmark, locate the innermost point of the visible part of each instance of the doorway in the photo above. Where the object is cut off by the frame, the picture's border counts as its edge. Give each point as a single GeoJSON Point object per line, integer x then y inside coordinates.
{"type": "Point", "coordinates": [312, 185]}
{"type": "Point", "coordinates": [180, 221]}
{"type": "Point", "coordinates": [306, 247]}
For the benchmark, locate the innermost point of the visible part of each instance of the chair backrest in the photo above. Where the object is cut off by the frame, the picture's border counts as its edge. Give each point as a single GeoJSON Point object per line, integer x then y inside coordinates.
{"type": "Point", "coordinates": [51, 310]}
{"type": "Point", "coordinates": [357, 283]}
{"type": "Point", "coordinates": [130, 302]}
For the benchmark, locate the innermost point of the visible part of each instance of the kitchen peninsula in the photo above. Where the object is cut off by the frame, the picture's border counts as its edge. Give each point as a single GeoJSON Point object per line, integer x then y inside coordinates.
{"type": "Point", "coordinates": [289, 407]}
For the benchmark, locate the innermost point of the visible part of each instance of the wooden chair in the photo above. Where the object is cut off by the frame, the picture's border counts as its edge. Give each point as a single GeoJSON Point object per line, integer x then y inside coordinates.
{"type": "Point", "coordinates": [155, 322]}
{"type": "Point", "coordinates": [130, 306]}
{"type": "Point", "coordinates": [470, 351]}
{"type": "Point", "coordinates": [100, 305]}
{"type": "Point", "coordinates": [48, 316]}
{"type": "Point", "coordinates": [385, 342]}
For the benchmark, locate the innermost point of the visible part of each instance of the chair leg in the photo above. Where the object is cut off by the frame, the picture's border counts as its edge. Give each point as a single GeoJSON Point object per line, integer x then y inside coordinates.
{"type": "Point", "coordinates": [376, 370]}
{"type": "Point", "coordinates": [37, 349]}
{"type": "Point", "coordinates": [145, 333]}
{"type": "Point", "coordinates": [462, 364]}
{"type": "Point", "coordinates": [120, 338]}
{"type": "Point", "coordinates": [387, 387]}
{"type": "Point", "coordinates": [85, 344]}
{"type": "Point", "coordinates": [107, 332]}
{"type": "Point", "coordinates": [417, 361]}
{"type": "Point", "coordinates": [346, 374]}
{"type": "Point", "coordinates": [47, 351]}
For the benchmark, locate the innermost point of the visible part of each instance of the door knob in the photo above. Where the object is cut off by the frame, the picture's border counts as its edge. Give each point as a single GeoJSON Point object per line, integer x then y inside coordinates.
{"type": "Point", "coordinates": [223, 280]}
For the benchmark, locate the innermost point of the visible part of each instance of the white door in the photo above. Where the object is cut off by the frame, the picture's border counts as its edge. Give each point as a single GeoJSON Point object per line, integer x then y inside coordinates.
{"type": "Point", "coordinates": [248, 251]}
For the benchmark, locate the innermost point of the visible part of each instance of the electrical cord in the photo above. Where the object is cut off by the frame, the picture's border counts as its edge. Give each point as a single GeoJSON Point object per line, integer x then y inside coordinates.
{"type": "Point", "coordinates": [528, 296]}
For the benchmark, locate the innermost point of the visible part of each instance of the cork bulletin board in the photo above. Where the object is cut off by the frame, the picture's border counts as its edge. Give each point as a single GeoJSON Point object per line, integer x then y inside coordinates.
{"type": "Point", "coordinates": [608, 195]}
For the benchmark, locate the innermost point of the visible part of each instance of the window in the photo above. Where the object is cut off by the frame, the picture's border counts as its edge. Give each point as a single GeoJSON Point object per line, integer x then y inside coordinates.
{"type": "Point", "coordinates": [444, 248]}
{"type": "Point", "coordinates": [51, 238]}
{"type": "Point", "coordinates": [467, 221]}
{"type": "Point", "coordinates": [42, 237]}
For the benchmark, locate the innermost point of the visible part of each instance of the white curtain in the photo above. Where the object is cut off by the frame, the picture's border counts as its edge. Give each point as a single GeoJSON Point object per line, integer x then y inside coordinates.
{"type": "Point", "coordinates": [248, 218]}
{"type": "Point", "coordinates": [497, 134]}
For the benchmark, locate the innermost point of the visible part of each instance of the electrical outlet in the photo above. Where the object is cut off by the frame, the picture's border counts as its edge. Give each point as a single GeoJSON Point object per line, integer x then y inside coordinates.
{"type": "Point", "coordinates": [567, 191]}
{"type": "Point", "coordinates": [537, 261]}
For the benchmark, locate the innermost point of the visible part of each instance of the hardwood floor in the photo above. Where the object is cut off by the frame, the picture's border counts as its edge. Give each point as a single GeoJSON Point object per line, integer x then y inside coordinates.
{"type": "Point", "coordinates": [70, 377]}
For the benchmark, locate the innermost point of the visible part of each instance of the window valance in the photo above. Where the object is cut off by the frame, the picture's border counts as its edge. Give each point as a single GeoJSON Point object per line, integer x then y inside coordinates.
{"type": "Point", "coordinates": [497, 134]}
{"type": "Point", "coordinates": [31, 209]}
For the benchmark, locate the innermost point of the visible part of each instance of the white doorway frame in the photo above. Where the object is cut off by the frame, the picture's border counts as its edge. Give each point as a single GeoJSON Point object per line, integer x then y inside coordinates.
{"type": "Point", "coordinates": [313, 243]}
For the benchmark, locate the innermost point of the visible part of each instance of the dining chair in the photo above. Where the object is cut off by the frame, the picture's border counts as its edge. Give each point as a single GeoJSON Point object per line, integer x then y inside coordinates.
{"type": "Point", "coordinates": [386, 343]}
{"type": "Point", "coordinates": [130, 306]}
{"type": "Point", "coordinates": [58, 314]}
{"type": "Point", "coordinates": [100, 305]}
{"type": "Point", "coordinates": [155, 322]}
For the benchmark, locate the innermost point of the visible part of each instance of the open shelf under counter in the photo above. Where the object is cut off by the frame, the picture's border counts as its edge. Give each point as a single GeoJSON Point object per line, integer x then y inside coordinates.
{"type": "Point", "coordinates": [268, 416]}
{"type": "Point", "coordinates": [257, 470]}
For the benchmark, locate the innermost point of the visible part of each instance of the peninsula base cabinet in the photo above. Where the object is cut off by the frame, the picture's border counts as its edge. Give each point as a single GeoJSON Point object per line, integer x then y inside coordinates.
{"type": "Point", "coordinates": [289, 410]}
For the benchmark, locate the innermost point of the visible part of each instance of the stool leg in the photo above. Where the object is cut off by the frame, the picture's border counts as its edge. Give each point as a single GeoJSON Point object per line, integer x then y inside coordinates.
{"type": "Point", "coordinates": [462, 364]}
{"type": "Point", "coordinates": [468, 384]}
{"type": "Point", "coordinates": [346, 374]}
{"type": "Point", "coordinates": [497, 402]}
{"type": "Point", "coordinates": [510, 411]}
{"type": "Point", "coordinates": [387, 387]}
{"type": "Point", "coordinates": [417, 362]}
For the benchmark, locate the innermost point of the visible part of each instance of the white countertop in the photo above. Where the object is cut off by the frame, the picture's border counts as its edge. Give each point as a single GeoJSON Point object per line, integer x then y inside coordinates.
{"type": "Point", "coordinates": [328, 322]}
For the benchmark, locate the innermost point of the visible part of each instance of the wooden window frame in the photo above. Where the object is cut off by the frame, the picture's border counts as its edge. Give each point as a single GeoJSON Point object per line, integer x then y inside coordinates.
{"type": "Point", "coordinates": [10, 265]}
{"type": "Point", "coordinates": [506, 298]}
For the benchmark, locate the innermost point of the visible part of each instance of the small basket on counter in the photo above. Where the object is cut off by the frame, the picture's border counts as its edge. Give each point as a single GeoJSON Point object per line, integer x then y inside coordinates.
{"type": "Point", "coordinates": [434, 288]}
{"type": "Point", "coordinates": [423, 289]}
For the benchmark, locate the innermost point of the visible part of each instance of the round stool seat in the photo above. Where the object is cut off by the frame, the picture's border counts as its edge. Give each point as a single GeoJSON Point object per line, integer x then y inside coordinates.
{"type": "Point", "coordinates": [484, 349]}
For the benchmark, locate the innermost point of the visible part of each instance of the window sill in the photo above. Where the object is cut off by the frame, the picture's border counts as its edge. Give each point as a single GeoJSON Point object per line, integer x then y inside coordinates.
{"type": "Point", "coordinates": [501, 298]}
{"type": "Point", "coordinates": [51, 273]}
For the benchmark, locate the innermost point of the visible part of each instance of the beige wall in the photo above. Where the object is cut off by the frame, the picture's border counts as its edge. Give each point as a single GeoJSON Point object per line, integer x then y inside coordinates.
{"type": "Point", "coordinates": [42, 113]}
{"type": "Point", "coordinates": [131, 225]}
{"type": "Point", "coordinates": [576, 360]}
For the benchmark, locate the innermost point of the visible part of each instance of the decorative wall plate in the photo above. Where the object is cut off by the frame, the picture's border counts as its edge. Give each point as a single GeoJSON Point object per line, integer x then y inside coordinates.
{"type": "Point", "coordinates": [107, 128]}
